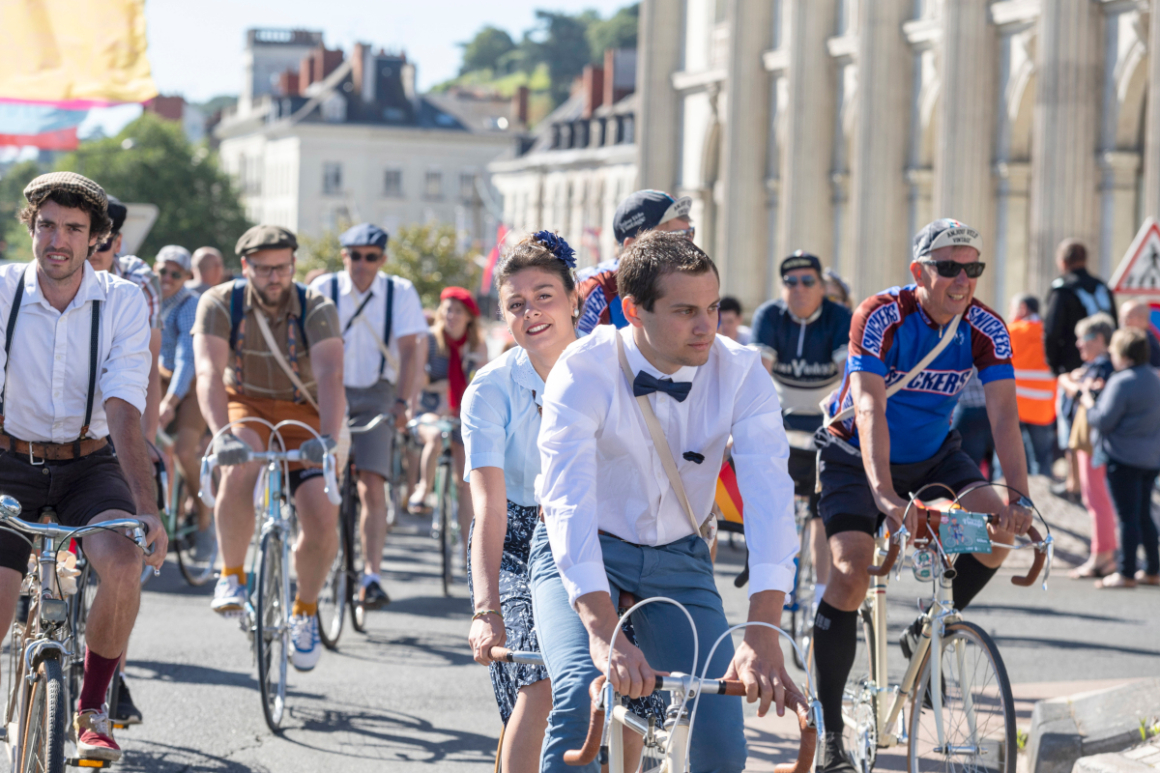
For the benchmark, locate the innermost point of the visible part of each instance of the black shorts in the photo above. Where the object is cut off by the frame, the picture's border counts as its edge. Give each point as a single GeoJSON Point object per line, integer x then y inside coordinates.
{"type": "Point", "coordinates": [847, 504]}
{"type": "Point", "coordinates": [78, 490]}
{"type": "Point", "coordinates": [803, 469]}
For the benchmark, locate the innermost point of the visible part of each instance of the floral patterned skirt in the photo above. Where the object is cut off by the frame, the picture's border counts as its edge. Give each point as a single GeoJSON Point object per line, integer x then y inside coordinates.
{"type": "Point", "coordinates": [515, 596]}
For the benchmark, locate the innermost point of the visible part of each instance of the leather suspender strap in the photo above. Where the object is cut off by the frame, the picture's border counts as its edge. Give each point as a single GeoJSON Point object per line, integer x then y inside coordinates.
{"type": "Point", "coordinates": [264, 327]}
{"type": "Point", "coordinates": [660, 443]}
{"type": "Point", "coordinates": [12, 314]}
{"type": "Point", "coordinates": [94, 346]}
{"type": "Point", "coordinates": [947, 336]}
{"type": "Point", "coordinates": [387, 330]}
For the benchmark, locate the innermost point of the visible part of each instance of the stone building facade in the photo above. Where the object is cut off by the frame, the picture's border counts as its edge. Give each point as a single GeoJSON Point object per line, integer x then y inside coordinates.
{"type": "Point", "coordinates": [841, 126]}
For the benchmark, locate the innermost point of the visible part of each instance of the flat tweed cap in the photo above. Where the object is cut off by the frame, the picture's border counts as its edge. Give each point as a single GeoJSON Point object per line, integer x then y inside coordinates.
{"type": "Point", "coordinates": [69, 182]}
{"type": "Point", "coordinates": [265, 237]}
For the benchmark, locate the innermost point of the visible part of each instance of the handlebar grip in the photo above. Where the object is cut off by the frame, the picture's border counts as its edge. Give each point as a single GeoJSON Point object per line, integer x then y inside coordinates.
{"type": "Point", "coordinates": [1036, 563]}
{"type": "Point", "coordinates": [502, 654]}
{"type": "Point", "coordinates": [809, 740]}
{"type": "Point", "coordinates": [587, 753]}
{"type": "Point", "coordinates": [888, 564]}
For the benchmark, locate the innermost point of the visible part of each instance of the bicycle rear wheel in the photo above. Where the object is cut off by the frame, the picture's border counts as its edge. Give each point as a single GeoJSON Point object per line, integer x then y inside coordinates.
{"type": "Point", "coordinates": [859, 702]}
{"type": "Point", "coordinates": [80, 604]}
{"type": "Point", "coordinates": [42, 745]}
{"type": "Point", "coordinates": [349, 519]}
{"type": "Point", "coordinates": [978, 710]}
{"type": "Point", "coordinates": [335, 593]}
{"type": "Point", "coordinates": [443, 507]}
{"type": "Point", "coordinates": [196, 553]}
{"type": "Point", "coordinates": [273, 628]}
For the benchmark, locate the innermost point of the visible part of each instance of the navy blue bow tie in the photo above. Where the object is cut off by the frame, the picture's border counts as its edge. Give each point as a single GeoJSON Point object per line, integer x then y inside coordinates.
{"type": "Point", "coordinates": [644, 384]}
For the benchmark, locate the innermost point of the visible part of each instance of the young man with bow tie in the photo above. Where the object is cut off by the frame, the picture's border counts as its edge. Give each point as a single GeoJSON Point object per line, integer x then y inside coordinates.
{"type": "Point", "coordinates": [619, 518]}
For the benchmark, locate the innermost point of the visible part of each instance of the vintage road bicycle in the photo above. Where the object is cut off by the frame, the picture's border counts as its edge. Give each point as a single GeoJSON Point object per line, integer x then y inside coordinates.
{"type": "Point", "coordinates": [44, 647]}
{"type": "Point", "coordinates": [445, 518]}
{"type": "Point", "coordinates": [266, 615]}
{"type": "Point", "coordinates": [666, 747]}
{"type": "Point", "coordinates": [196, 564]}
{"type": "Point", "coordinates": [962, 713]}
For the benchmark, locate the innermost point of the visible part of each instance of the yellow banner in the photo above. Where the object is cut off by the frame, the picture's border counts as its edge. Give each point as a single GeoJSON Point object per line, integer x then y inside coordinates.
{"type": "Point", "coordinates": [74, 51]}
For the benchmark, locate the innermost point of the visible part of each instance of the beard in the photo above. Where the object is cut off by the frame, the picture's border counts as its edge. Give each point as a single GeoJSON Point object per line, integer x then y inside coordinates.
{"type": "Point", "coordinates": [268, 299]}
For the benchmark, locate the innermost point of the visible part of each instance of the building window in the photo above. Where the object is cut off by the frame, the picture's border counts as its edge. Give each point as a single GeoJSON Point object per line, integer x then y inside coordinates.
{"type": "Point", "coordinates": [467, 186]}
{"type": "Point", "coordinates": [629, 135]}
{"type": "Point", "coordinates": [433, 185]}
{"type": "Point", "coordinates": [393, 183]}
{"type": "Point", "coordinates": [332, 177]}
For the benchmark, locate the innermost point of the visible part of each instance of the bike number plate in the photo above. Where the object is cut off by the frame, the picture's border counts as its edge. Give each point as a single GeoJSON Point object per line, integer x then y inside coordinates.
{"type": "Point", "coordinates": [962, 532]}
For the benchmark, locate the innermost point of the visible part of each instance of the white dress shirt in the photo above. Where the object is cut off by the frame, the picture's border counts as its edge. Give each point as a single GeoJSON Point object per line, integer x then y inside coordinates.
{"type": "Point", "coordinates": [363, 356]}
{"type": "Point", "coordinates": [47, 381]}
{"type": "Point", "coordinates": [601, 472]}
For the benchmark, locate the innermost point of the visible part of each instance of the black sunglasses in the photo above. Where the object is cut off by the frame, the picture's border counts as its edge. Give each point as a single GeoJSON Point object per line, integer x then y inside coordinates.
{"type": "Point", "coordinates": [171, 273]}
{"type": "Point", "coordinates": [107, 245]}
{"type": "Point", "coordinates": [792, 281]}
{"type": "Point", "coordinates": [370, 257]}
{"type": "Point", "coordinates": [950, 269]}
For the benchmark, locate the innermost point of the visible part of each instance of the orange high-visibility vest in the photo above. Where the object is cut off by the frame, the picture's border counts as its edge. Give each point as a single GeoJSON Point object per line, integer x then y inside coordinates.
{"type": "Point", "coordinates": [1034, 381]}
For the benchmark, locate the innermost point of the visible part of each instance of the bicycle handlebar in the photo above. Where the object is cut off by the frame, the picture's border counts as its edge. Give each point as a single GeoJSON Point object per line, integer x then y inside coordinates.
{"type": "Point", "coordinates": [209, 462]}
{"type": "Point", "coordinates": [10, 510]}
{"type": "Point", "coordinates": [809, 734]}
{"type": "Point", "coordinates": [934, 520]}
{"type": "Point", "coordinates": [356, 429]}
{"type": "Point", "coordinates": [504, 655]}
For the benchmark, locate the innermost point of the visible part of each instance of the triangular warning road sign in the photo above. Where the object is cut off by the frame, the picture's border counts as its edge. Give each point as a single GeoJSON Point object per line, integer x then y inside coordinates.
{"type": "Point", "coordinates": [1139, 271]}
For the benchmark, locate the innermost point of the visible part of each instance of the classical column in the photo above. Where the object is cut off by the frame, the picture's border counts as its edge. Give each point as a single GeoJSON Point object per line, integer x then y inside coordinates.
{"type": "Point", "coordinates": [1010, 242]}
{"type": "Point", "coordinates": [1152, 123]}
{"type": "Point", "coordinates": [658, 123]}
{"type": "Point", "coordinates": [806, 220]}
{"type": "Point", "coordinates": [878, 188]}
{"type": "Point", "coordinates": [963, 187]}
{"type": "Point", "coordinates": [1118, 170]}
{"type": "Point", "coordinates": [741, 238]}
{"type": "Point", "coordinates": [1063, 164]}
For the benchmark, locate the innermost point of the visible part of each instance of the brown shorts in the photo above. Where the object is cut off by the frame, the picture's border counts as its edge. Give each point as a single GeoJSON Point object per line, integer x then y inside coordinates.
{"type": "Point", "coordinates": [188, 414]}
{"type": "Point", "coordinates": [77, 489]}
{"type": "Point", "coordinates": [246, 406]}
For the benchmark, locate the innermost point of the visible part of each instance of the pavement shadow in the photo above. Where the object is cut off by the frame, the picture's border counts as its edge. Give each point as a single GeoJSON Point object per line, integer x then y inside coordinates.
{"type": "Point", "coordinates": [190, 673]}
{"type": "Point", "coordinates": [1048, 612]}
{"type": "Point", "coordinates": [166, 758]}
{"type": "Point", "coordinates": [436, 652]}
{"type": "Point", "coordinates": [432, 606]}
{"type": "Point", "coordinates": [1035, 641]}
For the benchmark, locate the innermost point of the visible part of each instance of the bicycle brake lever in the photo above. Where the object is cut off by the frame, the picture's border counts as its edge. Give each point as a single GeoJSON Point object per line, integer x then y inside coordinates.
{"type": "Point", "coordinates": [1050, 541]}
{"type": "Point", "coordinates": [903, 536]}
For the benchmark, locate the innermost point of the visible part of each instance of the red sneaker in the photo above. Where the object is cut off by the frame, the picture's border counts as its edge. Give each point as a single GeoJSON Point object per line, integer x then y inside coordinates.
{"type": "Point", "coordinates": [95, 736]}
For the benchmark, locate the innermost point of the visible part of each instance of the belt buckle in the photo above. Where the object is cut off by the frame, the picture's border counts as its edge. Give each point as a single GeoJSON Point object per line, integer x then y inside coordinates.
{"type": "Point", "coordinates": [32, 459]}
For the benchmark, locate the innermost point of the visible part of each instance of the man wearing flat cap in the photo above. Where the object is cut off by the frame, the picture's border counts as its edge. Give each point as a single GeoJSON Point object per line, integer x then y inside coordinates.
{"type": "Point", "coordinates": [912, 351]}
{"type": "Point", "coordinates": [267, 347]}
{"type": "Point", "coordinates": [381, 319]}
{"type": "Point", "coordinates": [74, 377]}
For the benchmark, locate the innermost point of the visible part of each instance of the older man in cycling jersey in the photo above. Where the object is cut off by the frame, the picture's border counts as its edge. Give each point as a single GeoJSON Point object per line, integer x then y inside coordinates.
{"type": "Point", "coordinates": [884, 448]}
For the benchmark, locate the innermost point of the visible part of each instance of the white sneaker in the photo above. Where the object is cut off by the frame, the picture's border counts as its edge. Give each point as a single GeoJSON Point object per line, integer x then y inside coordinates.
{"type": "Point", "coordinates": [229, 595]}
{"type": "Point", "coordinates": [307, 644]}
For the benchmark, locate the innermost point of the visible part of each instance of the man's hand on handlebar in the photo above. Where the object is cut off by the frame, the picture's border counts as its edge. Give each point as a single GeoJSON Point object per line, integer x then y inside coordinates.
{"type": "Point", "coordinates": [156, 536]}
{"type": "Point", "coordinates": [631, 674]}
{"type": "Point", "coordinates": [315, 450]}
{"type": "Point", "coordinates": [399, 411]}
{"type": "Point", "coordinates": [1015, 518]}
{"type": "Point", "coordinates": [893, 507]}
{"type": "Point", "coordinates": [760, 666]}
{"type": "Point", "coordinates": [230, 449]}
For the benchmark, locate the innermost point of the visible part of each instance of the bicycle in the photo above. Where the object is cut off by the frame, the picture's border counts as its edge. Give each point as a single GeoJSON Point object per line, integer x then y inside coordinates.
{"type": "Point", "coordinates": [444, 521]}
{"type": "Point", "coordinates": [266, 615]}
{"type": "Point", "coordinates": [962, 713]}
{"type": "Point", "coordinates": [194, 561]}
{"type": "Point", "coordinates": [45, 646]}
{"type": "Point", "coordinates": [666, 748]}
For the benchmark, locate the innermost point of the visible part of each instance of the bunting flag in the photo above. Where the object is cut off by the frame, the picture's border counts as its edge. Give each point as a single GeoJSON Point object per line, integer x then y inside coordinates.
{"type": "Point", "coordinates": [728, 497]}
{"type": "Point", "coordinates": [58, 139]}
{"type": "Point", "coordinates": [74, 54]}
{"type": "Point", "coordinates": [492, 258]}
{"type": "Point", "coordinates": [40, 126]}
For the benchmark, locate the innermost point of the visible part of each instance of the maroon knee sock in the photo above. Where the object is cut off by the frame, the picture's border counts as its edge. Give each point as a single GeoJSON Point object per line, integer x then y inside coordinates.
{"type": "Point", "coordinates": [98, 673]}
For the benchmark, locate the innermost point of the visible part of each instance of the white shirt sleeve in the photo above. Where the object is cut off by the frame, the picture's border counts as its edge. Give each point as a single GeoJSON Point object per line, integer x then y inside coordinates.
{"type": "Point", "coordinates": [125, 374]}
{"type": "Point", "coordinates": [761, 456]}
{"type": "Point", "coordinates": [485, 414]}
{"type": "Point", "coordinates": [574, 402]}
{"type": "Point", "coordinates": [408, 312]}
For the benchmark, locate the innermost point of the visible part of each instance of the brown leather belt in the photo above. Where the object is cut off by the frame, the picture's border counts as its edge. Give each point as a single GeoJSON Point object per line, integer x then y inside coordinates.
{"type": "Point", "coordinates": [52, 452]}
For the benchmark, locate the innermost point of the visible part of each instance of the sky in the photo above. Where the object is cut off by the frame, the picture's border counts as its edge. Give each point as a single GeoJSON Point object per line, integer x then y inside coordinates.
{"type": "Point", "coordinates": [195, 49]}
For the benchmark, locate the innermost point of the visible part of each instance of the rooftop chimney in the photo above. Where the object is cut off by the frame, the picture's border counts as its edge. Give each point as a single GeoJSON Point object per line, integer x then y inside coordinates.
{"type": "Point", "coordinates": [288, 83]}
{"type": "Point", "coordinates": [520, 106]}
{"type": "Point", "coordinates": [593, 89]}
{"type": "Point", "coordinates": [619, 74]}
{"type": "Point", "coordinates": [316, 65]}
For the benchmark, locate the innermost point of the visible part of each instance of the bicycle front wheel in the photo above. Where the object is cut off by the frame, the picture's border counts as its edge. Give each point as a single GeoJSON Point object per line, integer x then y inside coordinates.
{"type": "Point", "coordinates": [332, 601]}
{"type": "Point", "coordinates": [978, 710]}
{"type": "Point", "coordinates": [802, 616]}
{"type": "Point", "coordinates": [446, 538]}
{"type": "Point", "coordinates": [273, 629]}
{"type": "Point", "coordinates": [42, 747]}
{"type": "Point", "coordinates": [352, 545]}
{"type": "Point", "coordinates": [860, 701]}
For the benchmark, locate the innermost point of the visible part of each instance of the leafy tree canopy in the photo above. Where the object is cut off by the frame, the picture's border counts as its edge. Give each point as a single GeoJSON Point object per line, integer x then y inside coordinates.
{"type": "Point", "coordinates": [617, 31]}
{"type": "Point", "coordinates": [484, 51]}
{"type": "Point", "coordinates": [151, 161]}
{"type": "Point", "coordinates": [11, 202]}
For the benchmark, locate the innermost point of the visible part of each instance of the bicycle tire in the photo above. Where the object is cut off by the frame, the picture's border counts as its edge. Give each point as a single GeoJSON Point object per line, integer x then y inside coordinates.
{"type": "Point", "coordinates": [42, 743]}
{"type": "Point", "coordinates": [335, 593]}
{"type": "Point", "coordinates": [997, 731]}
{"type": "Point", "coordinates": [802, 618]}
{"type": "Point", "coordinates": [353, 546]}
{"type": "Point", "coordinates": [81, 602]}
{"type": "Point", "coordinates": [443, 504]}
{"type": "Point", "coordinates": [272, 629]}
{"type": "Point", "coordinates": [860, 702]}
{"type": "Point", "coordinates": [196, 570]}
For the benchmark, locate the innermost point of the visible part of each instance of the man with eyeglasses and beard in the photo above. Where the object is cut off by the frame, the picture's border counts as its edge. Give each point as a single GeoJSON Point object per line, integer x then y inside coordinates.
{"type": "Point", "coordinates": [267, 347]}
{"type": "Point", "coordinates": [877, 447]}
{"type": "Point", "coordinates": [107, 257]}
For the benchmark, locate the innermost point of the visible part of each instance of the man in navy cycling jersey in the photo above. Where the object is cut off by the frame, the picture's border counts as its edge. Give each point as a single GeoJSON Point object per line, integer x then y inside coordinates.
{"type": "Point", "coordinates": [889, 448]}
{"type": "Point", "coordinates": [806, 336]}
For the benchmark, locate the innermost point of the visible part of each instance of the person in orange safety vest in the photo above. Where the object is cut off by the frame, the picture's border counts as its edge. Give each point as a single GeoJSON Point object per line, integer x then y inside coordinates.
{"type": "Point", "coordinates": [1034, 384]}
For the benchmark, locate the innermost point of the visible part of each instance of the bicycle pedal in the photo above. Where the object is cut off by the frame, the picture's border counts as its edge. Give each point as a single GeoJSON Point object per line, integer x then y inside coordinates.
{"type": "Point", "coordinates": [76, 762]}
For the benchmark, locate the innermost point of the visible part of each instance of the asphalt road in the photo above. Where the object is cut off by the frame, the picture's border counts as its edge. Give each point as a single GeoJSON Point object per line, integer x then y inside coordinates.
{"type": "Point", "coordinates": [407, 696]}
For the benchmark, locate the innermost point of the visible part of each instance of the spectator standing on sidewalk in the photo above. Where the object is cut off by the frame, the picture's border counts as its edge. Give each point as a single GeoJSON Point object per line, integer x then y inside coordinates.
{"type": "Point", "coordinates": [1034, 384]}
{"type": "Point", "coordinates": [1092, 336]}
{"type": "Point", "coordinates": [1137, 314]}
{"type": "Point", "coordinates": [1127, 417]}
{"type": "Point", "coordinates": [1075, 294]}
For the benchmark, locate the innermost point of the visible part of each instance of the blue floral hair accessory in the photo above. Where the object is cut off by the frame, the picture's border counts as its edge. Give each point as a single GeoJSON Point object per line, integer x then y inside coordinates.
{"type": "Point", "coordinates": [557, 246]}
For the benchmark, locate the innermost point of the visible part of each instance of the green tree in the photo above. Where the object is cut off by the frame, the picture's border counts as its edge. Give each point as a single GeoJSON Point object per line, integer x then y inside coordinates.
{"type": "Point", "coordinates": [617, 31]}
{"type": "Point", "coordinates": [426, 254]}
{"type": "Point", "coordinates": [151, 161]}
{"type": "Point", "coordinates": [11, 202]}
{"type": "Point", "coordinates": [566, 49]}
{"type": "Point", "coordinates": [483, 52]}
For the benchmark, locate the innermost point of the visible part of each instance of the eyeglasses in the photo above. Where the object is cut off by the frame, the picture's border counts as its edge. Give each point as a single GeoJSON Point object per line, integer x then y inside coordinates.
{"type": "Point", "coordinates": [170, 273]}
{"type": "Point", "coordinates": [107, 245]}
{"type": "Point", "coordinates": [265, 271]}
{"type": "Point", "coordinates": [688, 233]}
{"type": "Point", "coordinates": [369, 257]}
{"type": "Point", "coordinates": [950, 269]}
{"type": "Point", "coordinates": [792, 281]}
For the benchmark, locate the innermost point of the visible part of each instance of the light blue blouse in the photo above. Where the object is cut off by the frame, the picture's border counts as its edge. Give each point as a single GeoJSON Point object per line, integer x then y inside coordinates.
{"type": "Point", "coordinates": [501, 421]}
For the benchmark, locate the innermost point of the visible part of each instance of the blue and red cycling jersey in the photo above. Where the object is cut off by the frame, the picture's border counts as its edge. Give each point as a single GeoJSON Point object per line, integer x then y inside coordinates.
{"type": "Point", "coordinates": [889, 334]}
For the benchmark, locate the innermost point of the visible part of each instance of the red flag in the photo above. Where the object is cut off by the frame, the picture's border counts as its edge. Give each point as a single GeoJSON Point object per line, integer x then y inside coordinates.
{"type": "Point", "coordinates": [61, 139]}
{"type": "Point", "coordinates": [492, 258]}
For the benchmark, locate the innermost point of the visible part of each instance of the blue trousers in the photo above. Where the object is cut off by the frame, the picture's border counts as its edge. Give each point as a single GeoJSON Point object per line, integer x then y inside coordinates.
{"type": "Point", "coordinates": [681, 571]}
